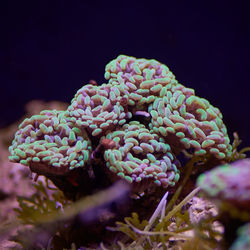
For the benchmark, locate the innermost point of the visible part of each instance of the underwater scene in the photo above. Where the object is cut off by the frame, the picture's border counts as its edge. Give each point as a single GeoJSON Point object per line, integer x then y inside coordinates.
{"type": "Point", "coordinates": [138, 162]}
{"type": "Point", "coordinates": [124, 125]}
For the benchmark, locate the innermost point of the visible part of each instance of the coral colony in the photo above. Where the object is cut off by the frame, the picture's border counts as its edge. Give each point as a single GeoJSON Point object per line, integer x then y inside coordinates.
{"type": "Point", "coordinates": [243, 240]}
{"type": "Point", "coordinates": [142, 118]}
{"type": "Point", "coordinates": [228, 187]}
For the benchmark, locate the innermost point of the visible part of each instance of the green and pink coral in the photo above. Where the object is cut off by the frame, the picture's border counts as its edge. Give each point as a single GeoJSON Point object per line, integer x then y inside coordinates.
{"type": "Point", "coordinates": [228, 183]}
{"type": "Point", "coordinates": [141, 156]}
{"type": "Point", "coordinates": [242, 242]}
{"type": "Point", "coordinates": [48, 142]}
{"type": "Point", "coordinates": [174, 120]}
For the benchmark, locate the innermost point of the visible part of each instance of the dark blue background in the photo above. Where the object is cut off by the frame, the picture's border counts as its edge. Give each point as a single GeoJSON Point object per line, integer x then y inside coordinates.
{"type": "Point", "coordinates": [51, 48]}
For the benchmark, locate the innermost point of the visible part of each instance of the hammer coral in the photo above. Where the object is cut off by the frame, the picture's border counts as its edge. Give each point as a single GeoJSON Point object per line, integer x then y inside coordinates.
{"type": "Point", "coordinates": [176, 119]}
{"type": "Point", "coordinates": [243, 240]}
{"type": "Point", "coordinates": [49, 143]}
{"type": "Point", "coordinates": [228, 185]}
{"type": "Point", "coordinates": [141, 156]}
{"type": "Point", "coordinates": [185, 120]}
{"type": "Point", "coordinates": [98, 108]}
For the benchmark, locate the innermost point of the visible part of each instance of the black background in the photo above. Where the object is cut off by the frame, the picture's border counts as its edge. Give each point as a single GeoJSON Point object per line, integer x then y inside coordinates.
{"type": "Point", "coordinates": [49, 49]}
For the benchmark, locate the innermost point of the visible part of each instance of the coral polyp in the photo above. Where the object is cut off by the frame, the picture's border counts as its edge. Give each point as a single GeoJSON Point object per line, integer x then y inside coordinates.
{"type": "Point", "coordinates": [140, 156]}
{"type": "Point", "coordinates": [229, 186]}
{"type": "Point", "coordinates": [174, 119]}
{"type": "Point", "coordinates": [185, 120]}
{"type": "Point", "coordinates": [242, 242]}
{"type": "Point", "coordinates": [49, 143]}
{"type": "Point", "coordinates": [98, 108]}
